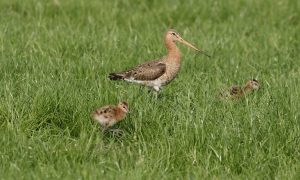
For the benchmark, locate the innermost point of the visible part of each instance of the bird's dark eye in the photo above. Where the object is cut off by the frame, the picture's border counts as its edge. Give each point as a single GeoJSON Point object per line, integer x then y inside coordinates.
{"type": "Point", "coordinates": [173, 34]}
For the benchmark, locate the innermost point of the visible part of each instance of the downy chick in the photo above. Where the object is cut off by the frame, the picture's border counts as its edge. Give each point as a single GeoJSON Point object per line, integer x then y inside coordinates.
{"type": "Point", "coordinates": [109, 115]}
{"type": "Point", "coordinates": [237, 92]}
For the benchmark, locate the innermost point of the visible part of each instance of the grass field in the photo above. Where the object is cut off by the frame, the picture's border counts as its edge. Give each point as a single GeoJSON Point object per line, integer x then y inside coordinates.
{"type": "Point", "coordinates": [54, 62]}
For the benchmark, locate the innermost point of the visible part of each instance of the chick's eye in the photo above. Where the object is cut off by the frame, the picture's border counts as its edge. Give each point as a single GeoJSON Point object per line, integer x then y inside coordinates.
{"type": "Point", "coordinates": [173, 34]}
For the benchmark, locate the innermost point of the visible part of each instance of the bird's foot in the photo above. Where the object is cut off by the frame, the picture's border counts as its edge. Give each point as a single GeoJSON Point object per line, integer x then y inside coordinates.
{"type": "Point", "coordinates": [116, 131]}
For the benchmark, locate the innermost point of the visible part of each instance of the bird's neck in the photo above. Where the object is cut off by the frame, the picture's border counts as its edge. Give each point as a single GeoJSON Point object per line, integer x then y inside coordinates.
{"type": "Point", "coordinates": [119, 114]}
{"type": "Point", "coordinates": [247, 88]}
{"type": "Point", "coordinates": [173, 52]}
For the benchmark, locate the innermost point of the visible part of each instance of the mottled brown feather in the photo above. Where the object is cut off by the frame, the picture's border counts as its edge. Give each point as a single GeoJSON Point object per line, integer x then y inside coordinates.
{"type": "Point", "coordinates": [235, 90]}
{"type": "Point", "coordinates": [107, 110]}
{"type": "Point", "coordinates": [145, 72]}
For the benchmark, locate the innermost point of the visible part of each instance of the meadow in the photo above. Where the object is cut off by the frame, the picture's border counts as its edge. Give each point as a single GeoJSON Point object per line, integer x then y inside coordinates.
{"type": "Point", "coordinates": [55, 58]}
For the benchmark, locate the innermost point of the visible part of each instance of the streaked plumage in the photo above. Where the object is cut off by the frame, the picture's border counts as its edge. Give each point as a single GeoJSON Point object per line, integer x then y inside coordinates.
{"type": "Point", "coordinates": [238, 92]}
{"type": "Point", "coordinates": [109, 115]}
{"type": "Point", "coordinates": [159, 72]}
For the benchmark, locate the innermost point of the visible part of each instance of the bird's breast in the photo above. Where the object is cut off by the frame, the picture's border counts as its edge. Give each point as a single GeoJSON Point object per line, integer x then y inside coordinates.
{"type": "Point", "coordinates": [172, 70]}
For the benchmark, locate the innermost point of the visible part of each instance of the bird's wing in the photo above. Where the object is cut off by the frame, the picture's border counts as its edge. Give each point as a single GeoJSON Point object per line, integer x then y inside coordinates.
{"type": "Point", "coordinates": [106, 110]}
{"type": "Point", "coordinates": [146, 72]}
{"type": "Point", "coordinates": [235, 90]}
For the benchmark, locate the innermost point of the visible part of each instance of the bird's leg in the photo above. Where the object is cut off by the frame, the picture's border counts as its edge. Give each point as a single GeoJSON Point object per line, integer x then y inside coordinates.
{"type": "Point", "coordinates": [117, 131]}
{"type": "Point", "coordinates": [156, 88]}
{"type": "Point", "coordinates": [157, 91]}
{"type": "Point", "coordinates": [141, 88]}
{"type": "Point", "coordinates": [155, 95]}
{"type": "Point", "coordinates": [103, 129]}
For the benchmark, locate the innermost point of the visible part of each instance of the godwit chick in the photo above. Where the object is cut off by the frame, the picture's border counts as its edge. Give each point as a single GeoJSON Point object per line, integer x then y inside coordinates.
{"type": "Point", "coordinates": [109, 115]}
{"type": "Point", "coordinates": [238, 92]}
{"type": "Point", "coordinates": [160, 72]}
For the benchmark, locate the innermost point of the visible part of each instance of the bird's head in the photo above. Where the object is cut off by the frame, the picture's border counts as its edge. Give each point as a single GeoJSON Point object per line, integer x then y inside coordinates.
{"type": "Point", "coordinates": [123, 106]}
{"type": "Point", "coordinates": [172, 35]}
{"type": "Point", "coordinates": [252, 84]}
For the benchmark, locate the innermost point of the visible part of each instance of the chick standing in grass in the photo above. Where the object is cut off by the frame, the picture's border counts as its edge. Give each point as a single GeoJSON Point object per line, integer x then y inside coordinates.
{"type": "Point", "coordinates": [109, 115]}
{"type": "Point", "coordinates": [237, 92]}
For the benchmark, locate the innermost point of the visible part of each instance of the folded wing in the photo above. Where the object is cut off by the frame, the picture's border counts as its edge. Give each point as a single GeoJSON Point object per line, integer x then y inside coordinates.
{"type": "Point", "coordinates": [144, 72]}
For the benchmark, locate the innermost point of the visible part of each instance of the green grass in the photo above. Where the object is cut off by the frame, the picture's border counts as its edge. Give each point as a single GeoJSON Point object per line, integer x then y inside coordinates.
{"type": "Point", "coordinates": [54, 63]}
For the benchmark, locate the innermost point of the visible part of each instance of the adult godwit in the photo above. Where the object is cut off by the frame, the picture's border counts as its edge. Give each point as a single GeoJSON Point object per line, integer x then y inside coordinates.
{"type": "Point", "coordinates": [159, 72]}
{"type": "Point", "coordinates": [109, 115]}
{"type": "Point", "coordinates": [238, 92]}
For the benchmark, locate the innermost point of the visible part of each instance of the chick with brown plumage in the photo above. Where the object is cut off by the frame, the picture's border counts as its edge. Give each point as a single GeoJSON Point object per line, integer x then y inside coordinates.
{"type": "Point", "coordinates": [108, 116]}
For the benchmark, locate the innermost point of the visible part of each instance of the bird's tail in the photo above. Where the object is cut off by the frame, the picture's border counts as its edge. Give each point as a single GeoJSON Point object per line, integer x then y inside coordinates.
{"type": "Point", "coordinates": [116, 76]}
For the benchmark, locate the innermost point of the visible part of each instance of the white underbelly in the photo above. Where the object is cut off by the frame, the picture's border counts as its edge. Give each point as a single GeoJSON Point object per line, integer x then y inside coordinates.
{"type": "Point", "coordinates": [105, 122]}
{"type": "Point", "coordinates": [152, 83]}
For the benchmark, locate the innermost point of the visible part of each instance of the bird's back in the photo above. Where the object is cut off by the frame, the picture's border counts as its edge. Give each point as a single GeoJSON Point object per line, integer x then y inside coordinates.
{"type": "Point", "coordinates": [147, 71]}
{"type": "Point", "coordinates": [104, 114]}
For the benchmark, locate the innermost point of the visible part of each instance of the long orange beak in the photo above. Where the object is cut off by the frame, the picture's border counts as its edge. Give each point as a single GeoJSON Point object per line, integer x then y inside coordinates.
{"type": "Point", "coordinates": [193, 47]}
